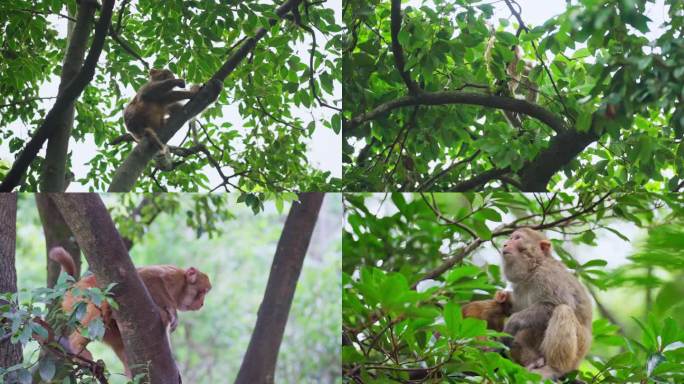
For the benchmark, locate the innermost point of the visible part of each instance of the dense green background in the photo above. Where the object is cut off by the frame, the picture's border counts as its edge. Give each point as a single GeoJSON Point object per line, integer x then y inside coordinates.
{"type": "Point", "coordinates": [392, 242]}
{"type": "Point", "coordinates": [611, 75]}
{"type": "Point", "coordinates": [209, 344]}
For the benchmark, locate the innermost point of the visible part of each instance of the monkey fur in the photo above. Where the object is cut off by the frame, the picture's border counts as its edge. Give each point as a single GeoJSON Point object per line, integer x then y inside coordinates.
{"type": "Point", "coordinates": [524, 349]}
{"type": "Point", "coordinates": [147, 112]}
{"type": "Point", "coordinates": [546, 297]}
{"type": "Point", "coordinates": [172, 289]}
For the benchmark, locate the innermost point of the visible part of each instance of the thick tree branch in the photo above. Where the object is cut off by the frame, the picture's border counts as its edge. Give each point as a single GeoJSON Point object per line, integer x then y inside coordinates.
{"type": "Point", "coordinates": [130, 170]}
{"type": "Point", "coordinates": [479, 180]}
{"type": "Point", "coordinates": [145, 340]}
{"type": "Point", "coordinates": [456, 97]}
{"type": "Point", "coordinates": [398, 51]}
{"type": "Point", "coordinates": [536, 174]}
{"type": "Point", "coordinates": [72, 91]}
{"type": "Point", "coordinates": [258, 365]}
{"type": "Point", "coordinates": [54, 168]}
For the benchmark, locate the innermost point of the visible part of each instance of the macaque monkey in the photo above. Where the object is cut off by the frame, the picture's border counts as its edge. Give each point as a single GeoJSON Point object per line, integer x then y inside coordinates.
{"type": "Point", "coordinates": [172, 289]}
{"type": "Point", "coordinates": [525, 347]}
{"type": "Point", "coordinates": [147, 112]}
{"type": "Point", "coordinates": [546, 298]}
{"type": "Point", "coordinates": [520, 85]}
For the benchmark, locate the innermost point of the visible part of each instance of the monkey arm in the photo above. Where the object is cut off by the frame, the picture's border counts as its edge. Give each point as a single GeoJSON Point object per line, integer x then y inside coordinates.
{"type": "Point", "coordinates": [535, 316]}
{"type": "Point", "coordinates": [172, 96]}
{"type": "Point", "coordinates": [155, 91]}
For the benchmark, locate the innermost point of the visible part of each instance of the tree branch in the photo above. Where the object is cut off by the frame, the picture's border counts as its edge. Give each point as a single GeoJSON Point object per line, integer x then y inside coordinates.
{"type": "Point", "coordinates": [456, 97]}
{"type": "Point", "coordinates": [258, 365]}
{"type": "Point", "coordinates": [71, 92]}
{"type": "Point", "coordinates": [144, 337]}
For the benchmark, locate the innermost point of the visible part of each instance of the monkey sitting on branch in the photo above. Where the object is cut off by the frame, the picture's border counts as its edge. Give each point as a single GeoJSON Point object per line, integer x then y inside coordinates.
{"type": "Point", "coordinates": [548, 300]}
{"type": "Point", "coordinates": [147, 113]}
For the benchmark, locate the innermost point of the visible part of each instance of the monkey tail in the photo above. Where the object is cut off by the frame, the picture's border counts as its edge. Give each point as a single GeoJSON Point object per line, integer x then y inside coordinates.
{"type": "Point", "coordinates": [563, 340]}
{"type": "Point", "coordinates": [60, 256]}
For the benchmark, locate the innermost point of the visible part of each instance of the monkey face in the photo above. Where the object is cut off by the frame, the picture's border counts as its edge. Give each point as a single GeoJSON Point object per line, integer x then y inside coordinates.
{"type": "Point", "coordinates": [160, 74]}
{"type": "Point", "coordinates": [196, 288]}
{"type": "Point", "coordinates": [515, 244]}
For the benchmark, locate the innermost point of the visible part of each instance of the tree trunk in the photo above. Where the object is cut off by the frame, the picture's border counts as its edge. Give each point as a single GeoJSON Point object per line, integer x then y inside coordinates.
{"type": "Point", "coordinates": [10, 354]}
{"type": "Point", "coordinates": [258, 365]}
{"type": "Point", "coordinates": [144, 337]}
{"type": "Point", "coordinates": [54, 168]}
{"type": "Point", "coordinates": [56, 233]}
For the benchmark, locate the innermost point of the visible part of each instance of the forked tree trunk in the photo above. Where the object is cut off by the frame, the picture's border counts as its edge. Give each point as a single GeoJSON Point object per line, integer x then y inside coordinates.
{"type": "Point", "coordinates": [10, 354]}
{"type": "Point", "coordinates": [144, 336]}
{"type": "Point", "coordinates": [258, 365]}
{"type": "Point", "coordinates": [53, 177]}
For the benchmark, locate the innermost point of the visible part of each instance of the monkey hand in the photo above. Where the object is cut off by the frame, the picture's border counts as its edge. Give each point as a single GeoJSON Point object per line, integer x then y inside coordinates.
{"type": "Point", "coordinates": [180, 83]}
{"type": "Point", "coordinates": [502, 297]}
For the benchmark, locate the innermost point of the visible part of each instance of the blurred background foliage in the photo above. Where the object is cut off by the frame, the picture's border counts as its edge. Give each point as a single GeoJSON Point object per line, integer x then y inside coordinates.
{"type": "Point", "coordinates": [410, 261]}
{"type": "Point", "coordinates": [235, 248]}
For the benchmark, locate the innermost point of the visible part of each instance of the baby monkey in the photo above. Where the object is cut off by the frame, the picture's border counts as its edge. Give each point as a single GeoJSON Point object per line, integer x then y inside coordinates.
{"type": "Point", "coordinates": [524, 348]}
{"type": "Point", "coordinates": [148, 110]}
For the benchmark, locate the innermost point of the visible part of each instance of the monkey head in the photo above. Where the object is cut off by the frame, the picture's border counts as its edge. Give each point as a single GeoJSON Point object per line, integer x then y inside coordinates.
{"type": "Point", "coordinates": [523, 252]}
{"type": "Point", "coordinates": [161, 74]}
{"type": "Point", "coordinates": [196, 286]}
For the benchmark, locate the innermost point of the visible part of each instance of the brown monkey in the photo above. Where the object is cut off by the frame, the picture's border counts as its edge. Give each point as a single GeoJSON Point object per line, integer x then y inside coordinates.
{"type": "Point", "coordinates": [147, 112]}
{"type": "Point", "coordinates": [525, 347]}
{"type": "Point", "coordinates": [546, 296]}
{"type": "Point", "coordinates": [171, 288]}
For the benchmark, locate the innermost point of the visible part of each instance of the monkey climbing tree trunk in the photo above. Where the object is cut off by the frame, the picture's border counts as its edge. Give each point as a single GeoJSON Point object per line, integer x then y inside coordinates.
{"type": "Point", "coordinates": [258, 365]}
{"type": "Point", "coordinates": [10, 354]}
{"type": "Point", "coordinates": [145, 341]}
{"type": "Point", "coordinates": [53, 177]}
{"type": "Point", "coordinates": [56, 233]}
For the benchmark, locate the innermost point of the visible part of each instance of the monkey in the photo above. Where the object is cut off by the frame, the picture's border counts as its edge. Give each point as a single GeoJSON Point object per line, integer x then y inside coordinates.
{"type": "Point", "coordinates": [147, 112]}
{"type": "Point", "coordinates": [518, 83]}
{"type": "Point", "coordinates": [520, 86]}
{"type": "Point", "coordinates": [172, 289]}
{"type": "Point", "coordinates": [546, 296]}
{"type": "Point", "coordinates": [525, 347]}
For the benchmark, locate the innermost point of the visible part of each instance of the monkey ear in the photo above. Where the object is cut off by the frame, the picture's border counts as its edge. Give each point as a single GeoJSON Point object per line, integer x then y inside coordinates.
{"type": "Point", "coordinates": [545, 246]}
{"type": "Point", "coordinates": [154, 72]}
{"type": "Point", "coordinates": [191, 275]}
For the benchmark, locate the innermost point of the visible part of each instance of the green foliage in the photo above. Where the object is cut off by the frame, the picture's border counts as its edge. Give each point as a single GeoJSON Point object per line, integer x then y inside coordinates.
{"type": "Point", "coordinates": [25, 321]}
{"type": "Point", "coordinates": [258, 130]}
{"type": "Point", "coordinates": [236, 250]}
{"type": "Point", "coordinates": [411, 260]}
{"type": "Point", "coordinates": [601, 66]}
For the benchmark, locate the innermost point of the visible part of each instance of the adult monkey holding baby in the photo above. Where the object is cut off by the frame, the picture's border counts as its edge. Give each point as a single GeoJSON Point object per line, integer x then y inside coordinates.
{"type": "Point", "coordinates": [546, 296]}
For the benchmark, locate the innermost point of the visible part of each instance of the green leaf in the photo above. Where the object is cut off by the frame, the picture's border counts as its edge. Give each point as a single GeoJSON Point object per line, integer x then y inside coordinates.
{"type": "Point", "coordinates": [46, 369]}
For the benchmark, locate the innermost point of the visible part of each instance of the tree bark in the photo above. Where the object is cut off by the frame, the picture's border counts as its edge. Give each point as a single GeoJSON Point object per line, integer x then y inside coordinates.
{"type": "Point", "coordinates": [10, 354]}
{"type": "Point", "coordinates": [57, 233]}
{"type": "Point", "coordinates": [144, 337]}
{"type": "Point", "coordinates": [258, 365]}
{"type": "Point", "coordinates": [54, 169]}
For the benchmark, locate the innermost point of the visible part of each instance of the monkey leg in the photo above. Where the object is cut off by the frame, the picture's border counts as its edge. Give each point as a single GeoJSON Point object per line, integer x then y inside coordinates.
{"type": "Point", "coordinates": [78, 345]}
{"type": "Point", "coordinates": [173, 96]}
{"type": "Point", "coordinates": [155, 139]}
{"type": "Point", "coordinates": [565, 342]}
{"type": "Point", "coordinates": [156, 91]}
